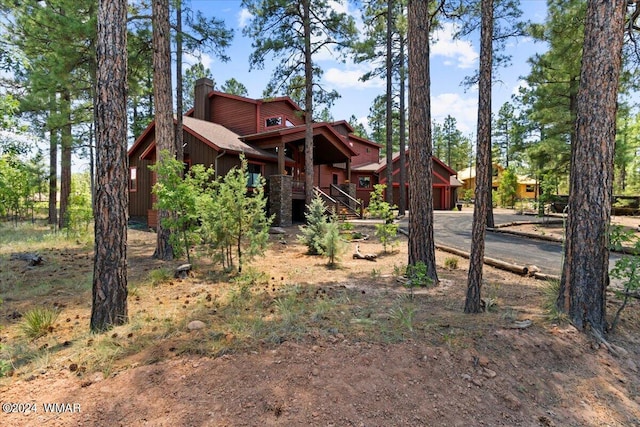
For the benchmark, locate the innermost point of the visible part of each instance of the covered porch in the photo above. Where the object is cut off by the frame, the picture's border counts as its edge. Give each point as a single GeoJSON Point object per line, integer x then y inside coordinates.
{"type": "Point", "coordinates": [331, 161]}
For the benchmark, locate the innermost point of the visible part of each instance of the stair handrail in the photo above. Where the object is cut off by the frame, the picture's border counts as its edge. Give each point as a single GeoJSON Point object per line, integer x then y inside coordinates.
{"type": "Point", "coordinates": [358, 210]}
{"type": "Point", "coordinates": [317, 190]}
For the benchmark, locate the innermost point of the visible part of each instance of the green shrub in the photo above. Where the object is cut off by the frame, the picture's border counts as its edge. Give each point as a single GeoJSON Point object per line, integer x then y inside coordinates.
{"type": "Point", "coordinates": [38, 321]}
{"type": "Point", "coordinates": [159, 276]}
{"type": "Point", "coordinates": [550, 291]}
{"type": "Point", "coordinates": [386, 232]}
{"type": "Point", "coordinates": [331, 244]}
{"type": "Point", "coordinates": [451, 263]}
{"type": "Point", "coordinates": [316, 228]}
{"type": "Point", "coordinates": [417, 274]}
{"type": "Point", "coordinates": [79, 211]}
{"type": "Point", "coordinates": [627, 268]}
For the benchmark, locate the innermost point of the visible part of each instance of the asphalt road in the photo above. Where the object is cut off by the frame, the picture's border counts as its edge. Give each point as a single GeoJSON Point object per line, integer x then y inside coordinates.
{"type": "Point", "coordinates": [454, 229]}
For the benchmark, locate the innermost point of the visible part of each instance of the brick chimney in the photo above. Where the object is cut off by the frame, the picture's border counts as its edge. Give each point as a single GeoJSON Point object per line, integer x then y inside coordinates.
{"type": "Point", "coordinates": [201, 105]}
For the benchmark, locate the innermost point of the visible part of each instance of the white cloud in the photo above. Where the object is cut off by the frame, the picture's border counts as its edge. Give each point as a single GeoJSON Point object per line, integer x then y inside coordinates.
{"type": "Point", "coordinates": [339, 7]}
{"type": "Point", "coordinates": [243, 17]}
{"type": "Point", "coordinates": [461, 51]}
{"type": "Point", "coordinates": [521, 84]}
{"type": "Point", "coordinates": [349, 77]}
{"type": "Point", "coordinates": [465, 110]}
{"type": "Point", "coordinates": [190, 59]}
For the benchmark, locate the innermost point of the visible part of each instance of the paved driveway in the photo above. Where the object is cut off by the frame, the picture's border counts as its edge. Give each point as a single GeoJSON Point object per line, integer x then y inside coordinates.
{"type": "Point", "coordinates": [454, 229]}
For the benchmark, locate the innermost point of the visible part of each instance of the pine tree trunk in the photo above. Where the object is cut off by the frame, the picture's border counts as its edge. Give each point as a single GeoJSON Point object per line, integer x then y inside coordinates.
{"type": "Point", "coordinates": [308, 101]}
{"type": "Point", "coordinates": [421, 243]}
{"type": "Point", "coordinates": [483, 164]}
{"type": "Point", "coordinates": [165, 141]}
{"type": "Point", "coordinates": [402, 200]}
{"type": "Point", "coordinates": [179, 109]}
{"type": "Point", "coordinates": [66, 142]}
{"type": "Point", "coordinates": [389, 105]}
{"type": "Point", "coordinates": [53, 177]}
{"type": "Point", "coordinates": [109, 306]}
{"type": "Point", "coordinates": [585, 275]}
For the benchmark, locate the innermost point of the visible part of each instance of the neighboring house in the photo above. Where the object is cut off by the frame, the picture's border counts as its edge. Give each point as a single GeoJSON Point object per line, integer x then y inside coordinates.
{"type": "Point", "coordinates": [528, 188]}
{"type": "Point", "coordinates": [270, 133]}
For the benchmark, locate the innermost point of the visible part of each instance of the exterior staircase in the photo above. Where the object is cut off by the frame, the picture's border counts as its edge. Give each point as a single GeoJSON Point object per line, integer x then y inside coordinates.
{"type": "Point", "coordinates": [341, 203]}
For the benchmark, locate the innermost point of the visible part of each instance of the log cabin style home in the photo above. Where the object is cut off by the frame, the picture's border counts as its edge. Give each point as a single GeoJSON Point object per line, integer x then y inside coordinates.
{"type": "Point", "coordinates": [270, 133]}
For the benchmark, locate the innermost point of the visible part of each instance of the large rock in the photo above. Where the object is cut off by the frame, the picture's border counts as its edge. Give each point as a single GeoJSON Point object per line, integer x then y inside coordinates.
{"type": "Point", "coordinates": [195, 325]}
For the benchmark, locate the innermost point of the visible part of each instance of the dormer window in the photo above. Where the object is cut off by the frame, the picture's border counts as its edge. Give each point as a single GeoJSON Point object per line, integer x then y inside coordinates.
{"type": "Point", "coordinates": [273, 121]}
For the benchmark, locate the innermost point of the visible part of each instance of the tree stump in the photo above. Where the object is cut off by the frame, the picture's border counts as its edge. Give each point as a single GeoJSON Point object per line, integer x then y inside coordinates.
{"type": "Point", "coordinates": [182, 271]}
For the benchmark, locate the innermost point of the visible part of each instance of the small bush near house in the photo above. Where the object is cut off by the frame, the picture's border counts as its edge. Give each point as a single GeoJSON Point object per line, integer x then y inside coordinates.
{"type": "Point", "coordinates": [314, 231]}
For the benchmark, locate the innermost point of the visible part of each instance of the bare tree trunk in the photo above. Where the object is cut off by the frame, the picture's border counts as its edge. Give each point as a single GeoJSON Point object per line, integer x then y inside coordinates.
{"type": "Point", "coordinates": [109, 306]}
{"type": "Point", "coordinates": [483, 164]}
{"type": "Point", "coordinates": [421, 243]}
{"type": "Point", "coordinates": [308, 104]}
{"type": "Point", "coordinates": [389, 104]}
{"type": "Point", "coordinates": [585, 274]}
{"type": "Point", "coordinates": [53, 176]}
{"type": "Point", "coordinates": [165, 141]}
{"type": "Point", "coordinates": [179, 88]}
{"type": "Point", "coordinates": [66, 142]}
{"type": "Point", "coordinates": [402, 200]}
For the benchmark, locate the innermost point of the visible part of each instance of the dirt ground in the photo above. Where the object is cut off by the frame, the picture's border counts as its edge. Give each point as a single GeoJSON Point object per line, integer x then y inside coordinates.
{"type": "Point", "coordinates": [357, 364]}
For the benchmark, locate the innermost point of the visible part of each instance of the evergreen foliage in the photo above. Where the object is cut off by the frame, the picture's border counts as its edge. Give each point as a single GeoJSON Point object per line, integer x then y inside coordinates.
{"type": "Point", "coordinates": [80, 211]}
{"type": "Point", "coordinates": [316, 228]}
{"type": "Point", "coordinates": [332, 246]}
{"type": "Point", "coordinates": [20, 182]}
{"type": "Point", "coordinates": [386, 232]}
{"type": "Point", "coordinates": [178, 197]}
{"type": "Point", "coordinates": [225, 216]}
{"type": "Point", "coordinates": [242, 220]}
{"type": "Point", "coordinates": [450, 145]}
{"type": "Point", "coordinates": [507, 191]}
{"type": "Point", "coordinates": [626, 268]}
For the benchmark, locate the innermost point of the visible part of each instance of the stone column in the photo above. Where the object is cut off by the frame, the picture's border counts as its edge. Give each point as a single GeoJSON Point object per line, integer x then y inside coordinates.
{"type": "Point", "coordinates": [280, 201]}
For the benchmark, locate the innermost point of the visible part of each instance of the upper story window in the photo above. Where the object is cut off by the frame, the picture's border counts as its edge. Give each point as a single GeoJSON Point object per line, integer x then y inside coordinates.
{"type": "Point", "coordinates": [273, 121]}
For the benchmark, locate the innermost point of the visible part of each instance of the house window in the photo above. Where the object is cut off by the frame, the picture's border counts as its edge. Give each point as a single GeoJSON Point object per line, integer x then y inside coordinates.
{"type": "Point", "coordinates": [289, 124]}
{"type": "Point", "coordinates": [254, 171]}
{"type": "Point", "coordinates": [530, 188]}
{"type": "Point", "coordinates": [364, 182]}
{"type": "Point", "coordinates": [273, 121]}
{"type": "Point", "coordinates": [133, 179]}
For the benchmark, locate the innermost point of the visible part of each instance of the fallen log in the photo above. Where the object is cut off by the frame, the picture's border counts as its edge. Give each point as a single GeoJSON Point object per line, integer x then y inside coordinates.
{"type": "Point", "coordinates": [31, 258]}
{"type": "Point", "coordinates": [359, 255]}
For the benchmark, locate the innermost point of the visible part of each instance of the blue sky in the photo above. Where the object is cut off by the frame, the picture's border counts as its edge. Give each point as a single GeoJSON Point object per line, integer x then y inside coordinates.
{"type": "Point", "coordinates": [451, 61]}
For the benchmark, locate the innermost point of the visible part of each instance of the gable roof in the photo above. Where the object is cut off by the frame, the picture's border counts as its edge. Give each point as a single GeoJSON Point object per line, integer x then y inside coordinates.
{"type": "Point", "coordinates": [212, 134]}
{"type": "Point", "coordinates": [294, 133]}
{"type": "Point", "coordinates": [378, 167]}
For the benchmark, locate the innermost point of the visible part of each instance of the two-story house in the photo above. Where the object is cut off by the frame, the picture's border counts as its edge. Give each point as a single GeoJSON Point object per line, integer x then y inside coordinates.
{"type": "Point", "coordinates": [270, 133]}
